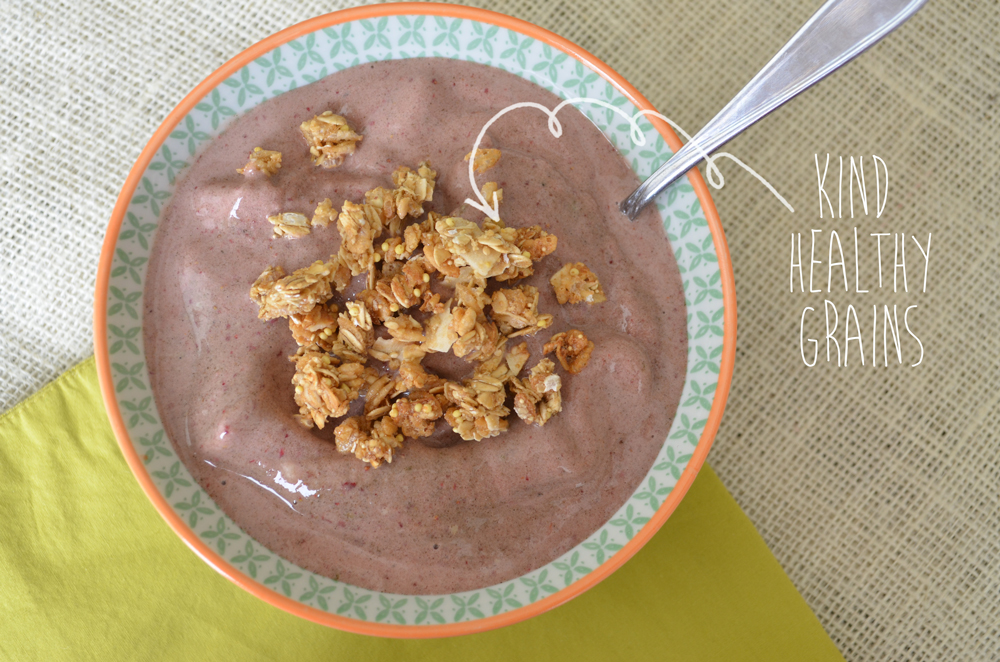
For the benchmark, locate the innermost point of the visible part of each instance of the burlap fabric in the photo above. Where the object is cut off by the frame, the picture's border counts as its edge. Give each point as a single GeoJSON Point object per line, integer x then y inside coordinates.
{"type": "Point", "coordinates": [876, 488]}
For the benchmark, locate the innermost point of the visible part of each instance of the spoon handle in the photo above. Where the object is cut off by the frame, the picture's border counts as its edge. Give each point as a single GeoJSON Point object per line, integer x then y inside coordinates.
{"type": "Point", "coordinates": [837, 33]}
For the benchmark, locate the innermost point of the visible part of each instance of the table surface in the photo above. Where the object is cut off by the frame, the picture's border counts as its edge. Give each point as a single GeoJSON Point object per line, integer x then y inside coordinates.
{"type": "Point", "coordinates": [875, 488]}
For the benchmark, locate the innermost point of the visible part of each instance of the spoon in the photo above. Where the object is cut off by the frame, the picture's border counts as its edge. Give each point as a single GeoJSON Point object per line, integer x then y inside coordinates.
{"type": "Point", "coordinates": [837, 33]}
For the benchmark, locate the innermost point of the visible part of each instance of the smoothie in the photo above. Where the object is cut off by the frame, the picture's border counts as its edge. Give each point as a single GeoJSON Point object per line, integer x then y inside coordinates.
{"type": "Point", "coordinates": [446, 515]}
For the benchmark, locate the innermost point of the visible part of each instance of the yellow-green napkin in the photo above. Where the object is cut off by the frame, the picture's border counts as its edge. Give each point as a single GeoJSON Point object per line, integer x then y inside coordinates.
{"type": "Point", "coordinates": [88, 570]}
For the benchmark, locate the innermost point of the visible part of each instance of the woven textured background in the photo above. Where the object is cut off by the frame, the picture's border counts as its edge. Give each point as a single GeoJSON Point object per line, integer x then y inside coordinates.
{"type": "Point", "coordinates": [878, 489]}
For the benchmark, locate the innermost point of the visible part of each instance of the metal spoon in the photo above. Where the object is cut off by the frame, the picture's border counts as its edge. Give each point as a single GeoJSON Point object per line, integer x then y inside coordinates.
{"type": "Point", "coordinates": [836, 34]}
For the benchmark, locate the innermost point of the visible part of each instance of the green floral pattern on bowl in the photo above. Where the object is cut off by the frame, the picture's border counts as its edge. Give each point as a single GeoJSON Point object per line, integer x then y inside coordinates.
{"type": "Point", "coordinates": [306, 60]}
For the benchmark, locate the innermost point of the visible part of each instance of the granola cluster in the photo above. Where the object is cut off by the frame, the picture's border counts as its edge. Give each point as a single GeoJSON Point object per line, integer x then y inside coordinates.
{"type": "Point", "coordinates": [325, 386]}
{"type": "Point", "coordinates": [428, 289]}
{"type": "Point", "coordinates": [289, 225]}
{"type": "Point", "coordinates": [484, 159]}
{"type": "Point", "coordinates": [262, 160]}
{"type": "Point", "coordinates": [572, 348]}
{"type": "Point", "coordinates": [575, 283]}
{"type": "Point", "coordinates": [278, 295]}
{"type": "Point", "coordinates": [538, 398]}
{"type": "Point", "coordinates": [330, 139]}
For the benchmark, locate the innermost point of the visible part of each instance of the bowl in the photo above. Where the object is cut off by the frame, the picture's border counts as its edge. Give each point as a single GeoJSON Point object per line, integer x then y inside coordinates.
{"type": "Point", "coordinates": [302, 54]}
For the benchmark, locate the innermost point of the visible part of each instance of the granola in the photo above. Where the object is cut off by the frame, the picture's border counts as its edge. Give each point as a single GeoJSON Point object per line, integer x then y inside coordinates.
{"type": "Point", "coordinates": [533, 242]}
{"type": "Point", "coordinates": [413, 189]}
{"type": "Point", "coordinates": [478, 412]}
{"type": "Point", "coordinates": [279, 295]}
{"type": "Point", "coordinates": [347, 352]}
{"type": "Point", "coordinates": [505, 364]}
{"type": "Point", "coordinates": [537, 242]}
{"type": "Point", "coordinates": [324, 215]}
{"type": "Point", "coordinates": [317, 327]}
{"type": "Point", "coordinates": [324, 387]}
{"type": "Point", "coordinates": [484, 160]}
{"type": "Point", "coordinates": [490, 252]}
{"type": "Point", "coordinates": [359, 226]}
{"type": "Point", "coordinates": [572, 348]}
{"type": "Point", "coordinates": [356, 330]}
{"type": "Point", "coordinates": [330, 139]}
{"type": "Point", "coordinates": [575, 283]}
{"type": "Point", "coordinates": [388, 350]}
{"type": "Point", "coordinates": [262, 160]}
{"type": "Point", "coordinates": [405, 329]}
{"type": "Point", "coordinates": [290, 225]}
{"type": "Point", "coordinates": [416, 414]}
{"type": "Point", "coordinates": [538, 398]}
{"type": "Point", "coordinates": [340, 274]}
{"type": "Point", "coordinates": [479, 342]}
{"type": "Point", "coordinates": [412, 376]}
{"type": "Point", "coordinates": [374, 444]}
{"type": "Point", "coordinates": [377, 397]}
{"type": "Point", "coordinates": [399, 288]}
{"type": "Point", "coordinates": [516, 311]}
{"type": "Point", "coordinates": [400, 260]}
{"type": "Point", "coordinates": [439, 335]}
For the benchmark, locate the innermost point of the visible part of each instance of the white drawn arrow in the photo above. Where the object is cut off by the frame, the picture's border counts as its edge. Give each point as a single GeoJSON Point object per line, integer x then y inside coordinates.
{"type": "Point", "coordinates": [715, 177]}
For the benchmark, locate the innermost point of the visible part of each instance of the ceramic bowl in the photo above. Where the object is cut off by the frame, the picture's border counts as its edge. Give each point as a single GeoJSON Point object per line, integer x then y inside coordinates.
{"type": "Point", "coordinates": [300, 55]}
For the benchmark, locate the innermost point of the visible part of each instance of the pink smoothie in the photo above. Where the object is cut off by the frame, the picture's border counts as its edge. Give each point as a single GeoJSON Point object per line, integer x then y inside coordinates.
{"type": "Point", "coordinates": [445, 515]}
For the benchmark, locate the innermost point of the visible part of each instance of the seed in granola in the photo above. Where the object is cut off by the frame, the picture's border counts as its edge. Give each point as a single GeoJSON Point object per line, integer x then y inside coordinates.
{"type": "Point", "coordinates": [262, 160]}
{"type": "Point", "coordinates": [330, 139]}
{"type": "Point", "coordinates": [575, 283]}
